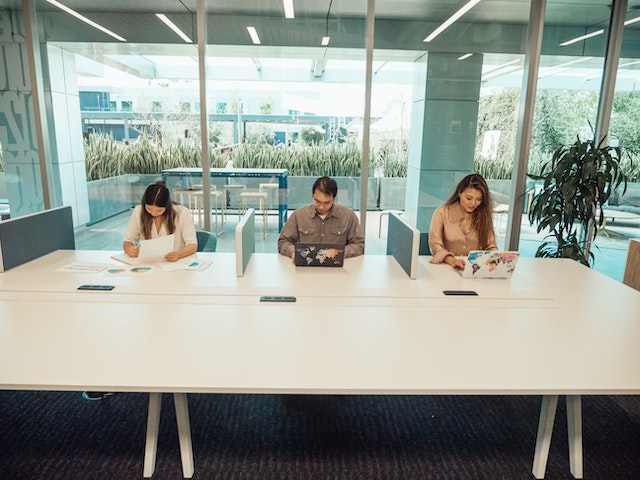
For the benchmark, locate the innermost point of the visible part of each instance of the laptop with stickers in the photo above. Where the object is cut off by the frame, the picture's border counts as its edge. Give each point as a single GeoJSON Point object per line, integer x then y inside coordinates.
{"type": "Point", "coordinates": [319, 254]}
{"type": "Point", "coordinates": [490, 264]}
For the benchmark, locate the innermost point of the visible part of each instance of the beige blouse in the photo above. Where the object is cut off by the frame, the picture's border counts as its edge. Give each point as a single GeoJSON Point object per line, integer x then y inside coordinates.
{"type": "Point", "coordinates": [450, 234]}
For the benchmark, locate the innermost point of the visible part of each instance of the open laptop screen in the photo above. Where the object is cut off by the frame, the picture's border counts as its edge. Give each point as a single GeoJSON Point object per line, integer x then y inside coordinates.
{"type": "Point", "coordinates": [490, 264]}
{"type": "Point", "coordinates": [319, 254]}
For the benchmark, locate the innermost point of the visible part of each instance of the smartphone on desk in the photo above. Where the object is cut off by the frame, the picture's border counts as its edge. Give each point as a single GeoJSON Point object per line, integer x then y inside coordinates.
{"type": "Point", "coordinates": [460, 292]}
{"type": "Point", "coordinates": [96, 287]}
{"type": "Point", "coordinates": [277, 298]}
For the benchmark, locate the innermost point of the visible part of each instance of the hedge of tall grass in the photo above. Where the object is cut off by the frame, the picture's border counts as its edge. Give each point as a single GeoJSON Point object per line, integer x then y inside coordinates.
{"type": "Point", "coordinates": [106, 157]}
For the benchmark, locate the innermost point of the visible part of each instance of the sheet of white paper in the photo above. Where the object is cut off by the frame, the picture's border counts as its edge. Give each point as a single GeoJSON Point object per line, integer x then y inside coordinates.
{"type": "Point", "coordinates": [192, 262]}
{"type": "Point", "coordinates": [84, 267]}
{"type": "Point", "coordinates": [155, 249]}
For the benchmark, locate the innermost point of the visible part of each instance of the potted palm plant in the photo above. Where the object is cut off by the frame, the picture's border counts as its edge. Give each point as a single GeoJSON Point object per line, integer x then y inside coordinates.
{"type": "Point", "coordinates": [576, 183]}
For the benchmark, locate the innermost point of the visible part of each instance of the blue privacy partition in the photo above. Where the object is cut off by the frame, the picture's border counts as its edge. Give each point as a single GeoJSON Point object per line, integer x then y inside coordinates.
{"type": "Point", "coordinates": [28, 237]}
{"type": "Point", "coordinates": [403, 242]}
{"type": "Point", "coordinates": [245, 241]}
{"type": "Point", "coordinates": [184, 177]}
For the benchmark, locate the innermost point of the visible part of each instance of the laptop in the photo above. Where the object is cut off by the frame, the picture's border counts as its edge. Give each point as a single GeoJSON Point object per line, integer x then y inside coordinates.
{"type": "Point", "coordinates": [490, 264]}
{"type": "Point", "coordinates": [319, 254]}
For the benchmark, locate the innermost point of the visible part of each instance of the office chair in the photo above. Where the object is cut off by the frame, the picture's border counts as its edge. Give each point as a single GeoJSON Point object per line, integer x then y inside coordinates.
{"type": "Point", "coordinates": [631, 275]}
{"type": "Point", "coordinates": [207, 241]}
{"type": "Point", "coordinates": [424, 244]}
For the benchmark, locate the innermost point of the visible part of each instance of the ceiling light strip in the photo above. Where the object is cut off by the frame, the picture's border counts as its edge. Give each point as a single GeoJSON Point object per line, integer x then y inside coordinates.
{"type": "Point", "coordinates": [253, 33]}
{"type": "Point", "coordinates": [326, 39]}
{"type": "Point", "coordinates": [86, 20]}
{"type": "Point", "coordinates": [452, 20]}
{"type": "Point", "coordinates": [631, 20]}
{"type": "Point", "coordinates": [288, 9]}
{"type": "Point", "coordinates": [582, 37]}
{"type": "Point", "coordinates": [174, 27]}
{"type": "Point", "coordinates": [596, 33]}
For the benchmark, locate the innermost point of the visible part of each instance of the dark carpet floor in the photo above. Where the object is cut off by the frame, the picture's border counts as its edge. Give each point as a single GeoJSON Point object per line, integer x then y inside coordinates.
{"type": "Point", "coordinates": [60, 436]}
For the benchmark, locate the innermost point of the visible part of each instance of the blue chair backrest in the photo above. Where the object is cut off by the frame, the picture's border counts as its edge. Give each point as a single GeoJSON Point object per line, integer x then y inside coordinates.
{"type": "Point", "coordinates": [207, 241]}
{"type": "Point", "coordinates": [424, 244]}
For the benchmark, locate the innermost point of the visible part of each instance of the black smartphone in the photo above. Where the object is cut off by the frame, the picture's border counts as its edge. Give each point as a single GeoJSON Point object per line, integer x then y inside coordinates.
{"type": "Point", "coordinates": [96, 287]}
{"type": "Point", "coordinates": [277, 299]}
{"type": "Point", "coordinates": [460, 292]}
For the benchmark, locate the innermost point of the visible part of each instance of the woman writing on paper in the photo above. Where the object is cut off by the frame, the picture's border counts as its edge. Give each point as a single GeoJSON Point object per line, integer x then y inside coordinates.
{"type": "Point", "coordinates": [463, 223]}
{"type": "Point", "coordinates": [157, 216]}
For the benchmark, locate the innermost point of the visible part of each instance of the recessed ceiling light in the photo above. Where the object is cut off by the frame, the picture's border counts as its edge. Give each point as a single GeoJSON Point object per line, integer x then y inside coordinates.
{"type": "Point", "coordinates": [86, 20]}
{"type": "Point", "coordinates": [596, 33]}
{"type": "Point", "coordinates": [631, 20]}
{"type": "Point", "coordinates": [174, 27]}
{"type": "Point", "coordinates": [452, 19]}
{"type": "Point", "coordinates": [254, 35]}
{"type": "Point", "coordinates": [582, 37]}
{"type": "Point", "coordinates": [325, 41]}
{"type": "Point", "coordinates": [288, 8]}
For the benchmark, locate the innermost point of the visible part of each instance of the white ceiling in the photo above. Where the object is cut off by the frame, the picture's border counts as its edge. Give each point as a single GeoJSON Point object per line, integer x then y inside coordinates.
{"type": "Point", "coordinates": [494, 28]}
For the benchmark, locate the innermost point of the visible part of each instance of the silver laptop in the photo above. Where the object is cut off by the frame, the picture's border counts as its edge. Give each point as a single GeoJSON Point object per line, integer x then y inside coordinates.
{"type": "Point", "coordinates": [319, 254]}
{"type": "Point", "coordinates": [490, 264]}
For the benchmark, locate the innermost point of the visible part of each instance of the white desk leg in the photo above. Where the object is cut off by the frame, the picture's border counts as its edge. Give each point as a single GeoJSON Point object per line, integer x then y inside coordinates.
{"type": "Point", "coordinates": [574, 425]}
{"type": "Point", "coordinates": [543, 439]}
{"type": "Point", "coordinates": [151, 443]}
{"type": "Point", "coordinates": [184, 433]}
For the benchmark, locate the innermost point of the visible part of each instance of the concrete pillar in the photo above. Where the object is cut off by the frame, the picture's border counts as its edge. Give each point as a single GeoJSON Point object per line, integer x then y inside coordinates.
{"type": "Point", "coordinates": [443, 131]}
{"type": "Point", "coordinates": [69, 170]}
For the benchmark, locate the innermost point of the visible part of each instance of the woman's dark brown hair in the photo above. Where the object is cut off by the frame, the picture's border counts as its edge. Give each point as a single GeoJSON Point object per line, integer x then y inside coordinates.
{"type": "Point", "coordinates": [157, 195]}
{"type": "Point", "coordinates": [481, 219]}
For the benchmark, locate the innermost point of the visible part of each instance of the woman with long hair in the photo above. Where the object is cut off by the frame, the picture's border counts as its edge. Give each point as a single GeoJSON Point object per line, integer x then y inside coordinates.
{"type": "Point", "coordinates": [463, 223]}
{"type": "Point", "coordinates": [158, 216]}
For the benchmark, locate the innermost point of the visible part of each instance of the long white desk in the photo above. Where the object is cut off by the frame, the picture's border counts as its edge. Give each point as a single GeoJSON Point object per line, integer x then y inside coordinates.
{"type": "Point", "coordinates": [556, 328]}
{"type": "Point", "coordinates": [369, 276]}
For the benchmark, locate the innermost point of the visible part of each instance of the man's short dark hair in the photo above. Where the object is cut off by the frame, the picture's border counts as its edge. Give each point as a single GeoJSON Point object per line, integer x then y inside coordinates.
{"type": "Point", "coordinates": [326, 185]}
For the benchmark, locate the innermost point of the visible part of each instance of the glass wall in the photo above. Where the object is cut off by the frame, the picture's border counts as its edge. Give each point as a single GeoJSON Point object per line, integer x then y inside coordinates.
{"type": "Point", "coordinates": [623, 208]}
{"type": "Point", "coordinates": [569, 83]}
{"type": "Point", "coordinates": [445, 100]}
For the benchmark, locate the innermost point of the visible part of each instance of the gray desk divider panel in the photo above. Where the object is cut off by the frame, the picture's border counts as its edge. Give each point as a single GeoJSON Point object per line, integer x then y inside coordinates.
{"type": "Point", "coordinates": [403, 242]}
{"type": "Point", "coordinates": [31, 236]}
{"type": "Point", "coordinates": [245, 241]}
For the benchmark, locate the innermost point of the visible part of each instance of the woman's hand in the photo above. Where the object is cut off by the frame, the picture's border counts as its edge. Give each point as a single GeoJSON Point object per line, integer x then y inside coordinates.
{"type": "Point", "coordinates": [455, 262]}
{"type": "Point", "coordinates": [458, 263]}
{"type": "Point", "coordinates": [133, 251]}
{"type": "Point", "coordinates": [185, 252]}
{"type": "Point", "coordinates": [172, 257]}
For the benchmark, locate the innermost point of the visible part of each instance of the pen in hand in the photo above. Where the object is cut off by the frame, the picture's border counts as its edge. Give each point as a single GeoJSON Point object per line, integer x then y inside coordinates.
{"type": "Point", "coordinates": [134, 249]}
